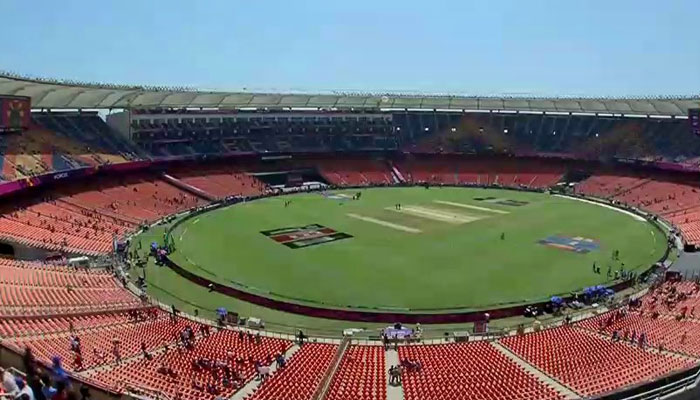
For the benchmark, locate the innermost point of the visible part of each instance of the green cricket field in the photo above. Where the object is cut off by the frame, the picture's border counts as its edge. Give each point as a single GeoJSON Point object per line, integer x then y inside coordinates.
{"type": "Point", "coordinates": [408, 249]}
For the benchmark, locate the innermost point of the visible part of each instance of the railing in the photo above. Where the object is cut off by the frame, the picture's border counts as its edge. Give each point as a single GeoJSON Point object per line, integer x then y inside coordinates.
{"type": "Point", "coordinates": [325, 384]}
{"type": "Point", "coordinates": [684, 384]}
{"type": "Point", "coordinates": [51, 310]}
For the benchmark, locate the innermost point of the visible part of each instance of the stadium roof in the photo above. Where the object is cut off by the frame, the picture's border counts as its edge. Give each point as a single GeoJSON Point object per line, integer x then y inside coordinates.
{"type": "Point", "coordinates": [55, 94]}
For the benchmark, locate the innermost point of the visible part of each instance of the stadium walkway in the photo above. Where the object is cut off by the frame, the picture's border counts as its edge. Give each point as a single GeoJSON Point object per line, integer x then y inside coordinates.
{"type": "Point", "coordinates": [549, 381]}
{"type": "Point", "coordinates": [392, 392]}
{"type": "Point", "coordinates": [250, 388]}
{"type": "Point", "coordinates": [688, 264]}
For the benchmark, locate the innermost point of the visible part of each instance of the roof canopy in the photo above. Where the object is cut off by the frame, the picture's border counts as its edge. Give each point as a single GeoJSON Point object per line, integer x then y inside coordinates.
{"type": "Point", "coordinates": [68, 95]}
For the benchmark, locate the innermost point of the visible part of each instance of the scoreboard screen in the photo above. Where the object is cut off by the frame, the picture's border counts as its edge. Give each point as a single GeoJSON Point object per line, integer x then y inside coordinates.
{"type": "Point", "coordinates": [694, 119]}
{"type": "Point", "coordinates": [15, 114]}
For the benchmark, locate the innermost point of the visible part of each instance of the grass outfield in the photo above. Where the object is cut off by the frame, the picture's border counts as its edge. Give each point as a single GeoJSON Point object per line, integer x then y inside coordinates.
{"type": "Point", "coordinates": [441, 251]}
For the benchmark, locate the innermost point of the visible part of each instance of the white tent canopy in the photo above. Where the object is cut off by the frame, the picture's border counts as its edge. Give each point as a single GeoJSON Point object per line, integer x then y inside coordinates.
{"type": "Point", "coordinates": [54, 94]}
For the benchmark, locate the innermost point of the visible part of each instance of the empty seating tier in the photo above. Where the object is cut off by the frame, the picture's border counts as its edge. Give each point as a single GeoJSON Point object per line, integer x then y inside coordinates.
{"type": "Point", "coordinates": [31, 288]}
{"type": "Point", "coordinates": [507, 173]}
{"type": "Point", "coordinates": [301, 376]}
{"type": "Point", "coordinates": [464, 371]}
{"type": "Point", "coordinates": [361, 375]}
{"type": "Point", "coordinates": [356, 172]}
{"type": "Point", "coordinates": [674, 199]}
{"type": "Point", "coordinates": [591, 364]}
{"type": "Point", "coordinates": [221, 182]}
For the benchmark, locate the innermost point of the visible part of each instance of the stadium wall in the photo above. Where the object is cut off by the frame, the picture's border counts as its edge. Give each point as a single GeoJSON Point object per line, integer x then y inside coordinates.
{"type": "Point", "coordinates": [120, 122]}
{"type": "Point", "coordinates": [22, 252]}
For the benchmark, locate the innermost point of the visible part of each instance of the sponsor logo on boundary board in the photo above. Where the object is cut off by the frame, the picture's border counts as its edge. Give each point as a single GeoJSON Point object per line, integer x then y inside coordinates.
{"type": "Point", "coordinates": [576, 244]}
{"type": "Point", "coordinates": [336, 196]}
{"type": "Point", "coordinates": [504, 202]}
{"type": "Point", "coordinates": [297, 237]}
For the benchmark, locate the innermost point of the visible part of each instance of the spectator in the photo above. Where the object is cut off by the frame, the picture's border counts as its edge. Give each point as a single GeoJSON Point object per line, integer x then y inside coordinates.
{"type": "Point", "coordinates": [212, 389]}
{"type": "Point", "coordinates": [47, 389]}
{"type": "Point", "coordinates": [85, 393]}
{"type": "Point", "coordinates": [262, 371]}
{"type": "Point", "coordinates": [116, 352]}
{"type": "Point", "coordinates": [29, 362]}
{"type": "Point", "coordinates": [281, 362]}
{"type": "Point", "coordinates": [162, 369]}
{"type": "Point", "coordinates": [189, 335]}
{"type": "Point", "coordinates": [34, 382]}
{"type": "Point", "coordinates": [204, 330]}
{"type": "Point", "coordinates": [411, 366]}
{"type": "Point", "coordinates": [394, 375]}
{"type": "Point", "coordinates": [642, 339]}
{"type": "Point", "coordinates": [145, 352]}
{"type": "Point", "coordinates": [9, 385]}
{"type": "Point", "coordinates": [58, 373]}
{"type": "Point", "coordinates": [78, 362]}
{"type": "Point", "coordinates": [24, 390]}
{"type": "Point", "coordinates": [61, 391]}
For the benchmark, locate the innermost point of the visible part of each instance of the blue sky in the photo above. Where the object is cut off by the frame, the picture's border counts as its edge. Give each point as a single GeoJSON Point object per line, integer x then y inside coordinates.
{"type": "Point", "coordinates": [489, 47]}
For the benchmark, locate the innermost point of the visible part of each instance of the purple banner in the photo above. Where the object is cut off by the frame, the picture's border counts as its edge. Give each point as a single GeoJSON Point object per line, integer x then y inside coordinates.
{"type": "Point", "coordinates": [20, 184]}
{"type": "Point", "coordinates": [11, 187]}
{"type": "Point", "coordinates": [8, 188]}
